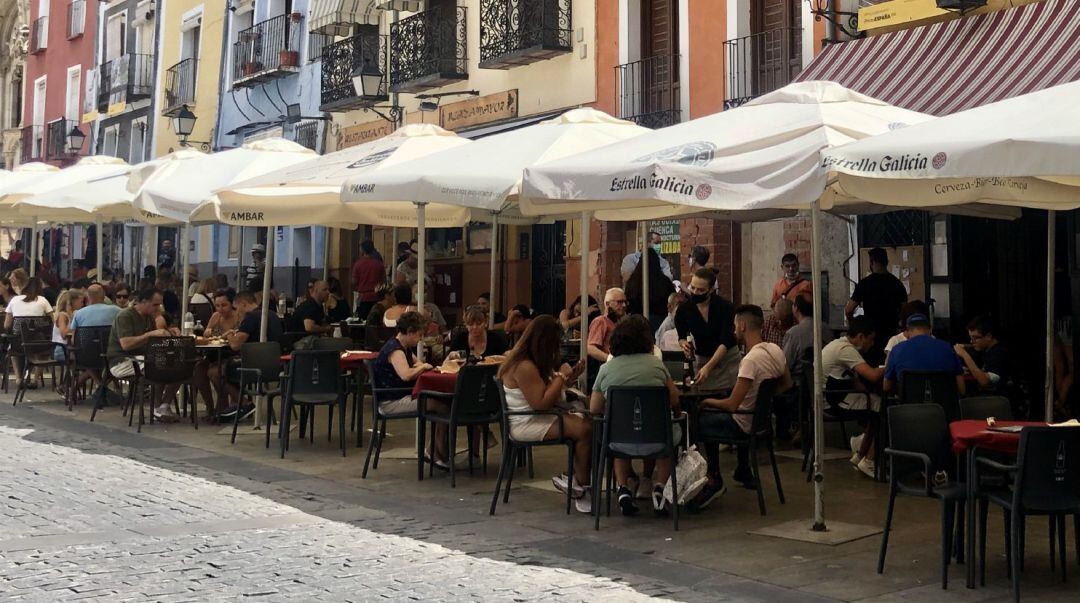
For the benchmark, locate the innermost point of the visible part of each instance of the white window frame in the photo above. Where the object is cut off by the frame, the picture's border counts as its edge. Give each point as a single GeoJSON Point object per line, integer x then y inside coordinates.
{"type": "Point", "coordinates": [113, 130]}
{"type": "Point", "coordinates": [145, 137]}
{"type": "Point", "coordinates": [41, 90]}
{"type": "Point", "coordinates": [73, 112]}
{"type": "Point", "coordinates": [120, 17]}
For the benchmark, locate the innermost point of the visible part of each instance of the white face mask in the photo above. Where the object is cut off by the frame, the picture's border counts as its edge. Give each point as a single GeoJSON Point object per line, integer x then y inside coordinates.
{"type": "Point", "coordinates": [657, 247]}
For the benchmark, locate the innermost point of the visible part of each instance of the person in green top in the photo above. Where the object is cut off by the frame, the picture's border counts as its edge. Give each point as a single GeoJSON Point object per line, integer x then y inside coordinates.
{"type": "Point", "coordinates": [131, 332]}
{"type": "Point", "coordinates": [633, 363]}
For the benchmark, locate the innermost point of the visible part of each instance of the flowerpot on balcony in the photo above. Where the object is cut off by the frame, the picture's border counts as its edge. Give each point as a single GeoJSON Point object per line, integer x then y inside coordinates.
{"type": "Point", "coordinates": [288, 58]}
{"type": "Point", "coordinates": [251, 68]}
{"type": "Point", "coordinates": [296, 17]}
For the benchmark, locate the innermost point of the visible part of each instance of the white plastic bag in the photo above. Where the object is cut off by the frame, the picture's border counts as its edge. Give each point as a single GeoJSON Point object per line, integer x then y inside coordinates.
{"type": "Point", "coordinates": [692, 472]}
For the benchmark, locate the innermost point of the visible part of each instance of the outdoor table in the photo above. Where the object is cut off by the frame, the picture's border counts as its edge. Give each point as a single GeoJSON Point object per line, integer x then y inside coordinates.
{"type": "Point", "coordinates": [218, 349]}
{"type": "Point", "coordinates": [350, 360]}
{"type": "Point", "coordinates": [435, 381]}
{"type": "Point", "coordinates": [972, 436]}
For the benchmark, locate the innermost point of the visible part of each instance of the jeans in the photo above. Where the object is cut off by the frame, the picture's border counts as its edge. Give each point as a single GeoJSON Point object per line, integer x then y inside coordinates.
{"type": "Point", "coordinates": [722, 425]}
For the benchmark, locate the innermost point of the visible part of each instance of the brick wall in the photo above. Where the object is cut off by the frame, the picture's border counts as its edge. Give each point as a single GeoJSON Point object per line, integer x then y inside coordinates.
{"type": "Point", "coordinates": [797, 237]}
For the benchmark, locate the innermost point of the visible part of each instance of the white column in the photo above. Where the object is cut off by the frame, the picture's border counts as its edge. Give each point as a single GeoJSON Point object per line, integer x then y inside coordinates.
{"type": "Point", "coordinates": [98, 246]}
{"type": "Point", "coordinates": [494, 267]}
{"type": "Point", "coordinates": [33, 247]}
{"type": "Point", "coordinates": [819, 378]}
{"type": "Point", "coordinates": [393, 254]}
{"type": "Point", "coordinates": [421, 252]}
{"type": "Point", "coordinates": [268, 272]}
{"type": "Point", "coordinates": [326, 253]}
{"type": "Point", "coordinates": [1051, 235]}
{"type": "Point", "coordinates": [240, 262]}
{"type": "Point", "coordinates": [684, 59]}
{"type": "Point", "coordinates": [185, 260]}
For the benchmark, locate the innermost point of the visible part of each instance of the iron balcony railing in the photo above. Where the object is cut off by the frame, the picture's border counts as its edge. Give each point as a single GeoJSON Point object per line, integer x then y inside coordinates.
{"type": "Point", "coordinates": [180, 85]}
{"type": "Point", "coordinates": [647, 91]}
{"type": "Point", "coordinates": [428, 50]}
{"type": "Point", "coordinates": [39, 34]}
{"type": "Point", "coordinates": [519, 32]}
{"type": "Point", "coordinates": [33, 143]}
{"type": "Point", "coordinates": [317, 43]}
{"type": "Point", "coordinates": [125, 79]}
{"type": "Point", "coordinates": [76, 18]}
{"type": "Point", "coordinates": [56, 138]}
{"type": "Point", "coordinates": [339, 61]}
{"type": "Point", "coordinates": [760, 63]}
{"type": "Point", "coordinates": [306, 134]}
{"type": "Point", "coordinates": [266, 51]}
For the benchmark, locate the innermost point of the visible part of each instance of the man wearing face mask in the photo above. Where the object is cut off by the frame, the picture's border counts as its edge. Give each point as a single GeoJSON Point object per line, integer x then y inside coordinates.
{"type": "Point", "coordinates": [709, 319]}
{"type": "Point", "coordinates": [601, 327]}
{"type": "Point", "coordinates": [630, 262]}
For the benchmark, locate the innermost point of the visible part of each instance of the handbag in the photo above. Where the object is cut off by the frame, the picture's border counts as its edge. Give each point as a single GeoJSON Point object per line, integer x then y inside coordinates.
{"type": "Point", "coordinates": [692, 471]}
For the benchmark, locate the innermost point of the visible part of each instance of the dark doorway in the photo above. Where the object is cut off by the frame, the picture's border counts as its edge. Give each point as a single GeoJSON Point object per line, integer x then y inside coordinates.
{"type": "Point", "coordinates": [549, 268]}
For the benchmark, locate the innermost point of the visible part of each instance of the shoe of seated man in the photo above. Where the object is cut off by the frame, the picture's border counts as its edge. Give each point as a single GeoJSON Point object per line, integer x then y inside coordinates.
{"type": "Point", "coordinates": [745, 478]}
{"type": "Point", "coordinates": [644, 489]}
{"type": "Point", "coordinates": [708, 494]}
{"type": "Point", "coordinates": [164, 413]}
{"type": "Point", "coordinates": [583, 504]}
{"type": "Point", "coordinates": [856, 443]}
{"type": "Point", "coordinates": [659, 504]}
{"type": "Point", "coordinates": [626, 501]}
{"type": "Point", "coordinates": [867, 467]}
{"type": "Point", "coordinates": [560, 483]}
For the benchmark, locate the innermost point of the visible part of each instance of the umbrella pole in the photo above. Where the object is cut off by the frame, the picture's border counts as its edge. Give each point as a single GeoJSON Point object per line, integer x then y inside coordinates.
{"type": "Point", "coordinates": [819, 379]}
{"type": "Point", "coordinates": [645, 270]}
{"type": "Point", "coordinates": [393, 255]}
{"type": "Point", "coordinates": [271, 235]}
{"type": "Point", "coordinates": [240, 263]}
{"type": "Point", "coordinates": [421, 274]}
{"type": "Point", "coordinates": [494, 262]}
{"type": "Point", "coordinates": [98, 246]}
{"type": "Point", "coordinates": [326, 254]}
{"type": "Point", "coordinates": [185, 258]}
{"type": "Point", "coordinates": [33, 247]}
{"type": "Point", "coordinates": [1051, 247]}
{"type": "Point", "coordinates": [583, 303]}
{"type": "Point", "coordinates": [71, 251]}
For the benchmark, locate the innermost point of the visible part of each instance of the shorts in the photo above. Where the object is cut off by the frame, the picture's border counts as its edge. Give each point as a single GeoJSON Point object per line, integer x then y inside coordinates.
{"type": "Point", "coordinates": [531, 428]}
{"type": "Point", "coordinates": [401, 406]}
{"type": "Point", "coordinates": [123, 369]}
{"type": "Point", "coordinates": [857, 401]}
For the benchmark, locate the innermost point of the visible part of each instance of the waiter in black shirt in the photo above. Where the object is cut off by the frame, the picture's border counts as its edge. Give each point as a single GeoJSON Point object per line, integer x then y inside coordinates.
{"type": "Point", "coordinates": [711, 320]}
{"type": "Point", "coordinates": [310, 317]}
{"type": "Point", "coordinates": [880, 294]}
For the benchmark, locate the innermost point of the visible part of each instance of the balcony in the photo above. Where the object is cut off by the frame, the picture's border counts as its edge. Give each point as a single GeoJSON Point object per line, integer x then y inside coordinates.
{"type": "Point", "coordinates": [39, 35]}
{"type": "Point", "coordinates": [647, 91]}
{"type": "Point", "coordinates": [760, 63]}
{"type": "Point", "coordinates": [266, 51]}
{"type": "Point", "coordinates": [76, 18]}
{"type": "Point", "coordinates": [340, 59]}
{"type": "Point", "coordinates": [33, 143]}
{"type": "Point", "coordinates": [428, 50]}
{"type": "Point", "coordinates": [179, 86]}
{"type": "Point", "coordinates": [56, 139]}
{"type": "Point", "coordinates": [124, 80]}
{"type": "Point", "coordinates": [306, 134]}
{"type": "Point", "coordinates": [519, 32]}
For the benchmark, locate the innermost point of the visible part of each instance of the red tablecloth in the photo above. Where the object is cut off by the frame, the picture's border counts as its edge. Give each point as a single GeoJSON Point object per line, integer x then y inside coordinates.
{"type": "Point", "coordinates": [969, 433]}
{"type": "Point", "coordinates": [349, 360]}
{"type": "Point", "coordinates": [436, 382]}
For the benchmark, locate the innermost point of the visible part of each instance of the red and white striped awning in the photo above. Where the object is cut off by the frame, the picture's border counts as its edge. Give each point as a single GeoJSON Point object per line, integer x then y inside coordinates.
{"type": "Point", "coordinates": [955, 65]}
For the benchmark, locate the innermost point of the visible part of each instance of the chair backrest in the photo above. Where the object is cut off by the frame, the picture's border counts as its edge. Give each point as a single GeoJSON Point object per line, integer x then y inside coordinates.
{"type": "Point", "coordinates": [637, 420]}
{"type": "Point", "coordinates": [315, 372]}
{"type": "Point", "coordinates": [202, 312]}
{"type": "Point", "coordinates": [170, 359]}
{"type": "Point", "coordinates": [931, 387]}
{"type": "Point", "coordinates": [264, 356]}
{"type": "Point", "coordinates": [1049, 474]}
{"type": "Point", "coordinates": [762, 422]}
{"type": "Point", "coordinates": [474, 393]}
{"type": "Point", "coordinates": [90, 346]}
{"type": "Point", "coordinates": [983, 407]}
{"type": "Point", "coordinates": [29, 329]}
{"type": "Point", "coordinates": [919, 428]}
{"type": "Point", "coordinates": [376, 336]}
{"type": "Point", "coordinates": [289, 339]}
{"type": "Point", "coordinates": [673, 362]}
{"type": "Point", "coordinates": [337, 344]}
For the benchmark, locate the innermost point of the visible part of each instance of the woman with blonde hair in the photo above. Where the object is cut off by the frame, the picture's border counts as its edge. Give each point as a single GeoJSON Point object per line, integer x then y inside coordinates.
{"type": "Point", "coordinates": [70, 301]}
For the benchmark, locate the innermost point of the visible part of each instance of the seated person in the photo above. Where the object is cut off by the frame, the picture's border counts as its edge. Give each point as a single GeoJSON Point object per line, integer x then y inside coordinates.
{"type": "Point", "coordinates": [922, 352]}
{"type": "Point", "coordinates": [667, 336]}
{"type": "Point", "coordinates": [384, 293]}
{"type": "Point", "coordinates": [633, 364]}
{"type": "Point", "coordinates": [121, 296]}
{"type": "Point", "coordinates": [309, 316]}
{"type": "Point", "coordinates": [992, 371]}
{"type": "Point", "coordinates": [532, 383]}
{"type": "Point", "coordinates": [570, 317]}
{"type": "Point", "coordinates": [845, 368]}
{"type": "Point", "coordinates": [96, 313]}
{"type": "Point", "coordinates": [436, 321]}
{"type": "Point", "coordinates": [397, 367]}
{"type": "Point", "coordinates": [337, 307]}
{"type": "Point", "coordinates": [208, 373]}
{"type": "Point", "coordinates": [518, 320]}
{"type": "Point", "coordinates": [484, 301]}
{"type": "Point", "coordinates": [915, 306]}
{"type": "Point", "coordinates": [477, 341]}
{"type": "Point", "coordinates": [763, 360]}
{"type": "Point", "coordinates": [131, 332]}
{"type": "Point", "coordinates": [402, 300]}
{"type": "Point", "coordinates": [250, 326]}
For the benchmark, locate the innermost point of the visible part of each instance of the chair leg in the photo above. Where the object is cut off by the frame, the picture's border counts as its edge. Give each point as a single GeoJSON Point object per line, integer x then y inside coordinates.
{"type": "Point", "coordinates": [382, 438]}
{"type": "Point", "coordinates": [755, 470]}
{"type": "Point", "coordinates": [269, 418]}
{"type": "Point", "coordinates": [958, 538]}
{"type": "Point", "coordinates": [285, 419]}
{"type": "Point", "coordinates": [329, 423]}
{"type": "Point", "coordinates": [431, 467]}
{"type": "Point", "coordinates": [983, 508]}
{"type": "Point", "coordinates": [1064, 557]}
{"type": "Point", "coordinates": [1052, 520]}
{"type": "Point", "coordinates": [1076, 535]}
{"type": "Point", "coordinates": [597, 489]}
{"type": "Point", "coordinates": [776, 472]}
{"type": "Point", "coordinates": [505, 464]}
{"type": "Point", "coordinates": [529, 461]}
{"type": "Point", "coordinates": [373, 445]}
{"type": "Point", "coordinates": [421, 436]}
{"type": "Point", "coordinates": [1017, 553]}
{"type": "Point", "coordinates": [521, 453]}
{"type": "Point", "coordinates": [886, 530]}
{"type": "Point", "coordinates": [485, 452]}
{"type": "Point", "coordinates": [948, 516]}
{"type": "Point", "coordinates": [341, 425]}
{"type": "Point", "coordinates": [1007, 517]}
{"type": "Point", "coordinates": [194, 407]}
{"type": "Point", "coordinates": [450, 450]}
{"type": "Point", "coordinates": [675, 491]}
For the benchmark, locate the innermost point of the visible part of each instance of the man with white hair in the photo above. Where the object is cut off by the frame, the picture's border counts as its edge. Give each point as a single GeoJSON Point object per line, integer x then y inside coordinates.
{"type": "Point", "coordinates": [667, 336]}
{"type": "Point", "coordinates": [601, 327]}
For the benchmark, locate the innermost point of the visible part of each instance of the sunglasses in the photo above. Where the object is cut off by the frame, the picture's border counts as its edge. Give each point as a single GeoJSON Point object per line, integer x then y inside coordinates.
{"type": "Point", "coordinates": [122, 297]}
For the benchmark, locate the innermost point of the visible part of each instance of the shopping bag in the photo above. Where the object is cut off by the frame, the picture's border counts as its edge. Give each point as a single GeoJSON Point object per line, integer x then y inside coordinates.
{"type": "Point", "coordinates": [692, 472]}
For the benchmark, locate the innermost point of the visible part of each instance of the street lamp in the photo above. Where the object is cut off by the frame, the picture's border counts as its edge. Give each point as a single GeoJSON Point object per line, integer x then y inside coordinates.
{"type": "Point", "coordinates": [367, 80]}
{"type": "Point", "coordinates": [75, 140]}
{"type": "Point", "coordinates": [183, 122]}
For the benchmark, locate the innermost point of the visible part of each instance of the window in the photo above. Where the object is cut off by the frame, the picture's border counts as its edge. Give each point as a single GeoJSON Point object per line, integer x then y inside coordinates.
{"type": "Point", "coordinates": [71, 103]}
{"type": "Point", "coordinates": [137, 152]}
{"type": "Point", "coordinates": [116, 36]}
{"type": "Point", "coordinates": [37, 141]}
{"type": "Point", "coordinates": [235, 235]}
{"type": "Point", "coordinates": [110, 141]}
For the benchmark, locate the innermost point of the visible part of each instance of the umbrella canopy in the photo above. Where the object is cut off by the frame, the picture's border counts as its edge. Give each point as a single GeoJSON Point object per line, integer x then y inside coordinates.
{"type": "Point", "coordinates": [763, 155]}
{"type": "Point", "coordinates": [33, 178]}
{"type": "Point", "coordinates": [310, 192]}
{"type": "Point", "coordinates": [175, 187]}
{"type": "Point", "coordinates": [484, 175]}
{"type": "Point", "coordinates": [1024, 151]}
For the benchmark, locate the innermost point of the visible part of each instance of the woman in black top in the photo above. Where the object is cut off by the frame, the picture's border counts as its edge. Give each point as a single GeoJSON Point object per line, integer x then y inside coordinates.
{"type": "Point", "coordinates": [477, 340]}
{"type": "Point", "coordinates": [337, 309]}
{"type": "Point", "coordinates": [660, 287]}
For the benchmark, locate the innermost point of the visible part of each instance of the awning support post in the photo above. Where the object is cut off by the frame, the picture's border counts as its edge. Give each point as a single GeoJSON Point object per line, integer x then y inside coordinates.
{"type": "Point", "coordinates": [494, 267]}
{"type": "Point", "coordinates": [1051, 248]}
{"type": "Point", "coordinates": [819, 380]}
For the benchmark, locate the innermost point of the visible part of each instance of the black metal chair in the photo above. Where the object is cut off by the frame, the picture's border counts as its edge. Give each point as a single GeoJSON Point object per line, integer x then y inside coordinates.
{"type": "Point", "coordinates": [984, 407]}
{"type": "Point", "coordinates": [637, 425]}
{"type": "Point", "coordinates": [313, 379]}
{"type": "Point", "coordinates": [931, 387]}
{"type": "Point", "coordinates": [474, 402]}
{"type": "Point", "coordinates": [515, 452]}
{"type": "Point", "coordinates": [378, 417]}
{"type": "Point", "coordinates": [260, 369]}
{"type": "Point", "coordinates": [352, 378]}
{"type": "Point", "coordinates": [289, 339]}
{"type": "Point", "coordinates": [168, 361]}
{"type": "Point", "coordinates": [376, 336]}
{"type": "Point", "coordinates": [34, 345]}
{"type": "Point", "coordinates": [833, 412]}
{"type": "Point", "coordinates": [919, 445]}
{"type": "Point", "coordinates": [761, 432]}
{"type": "Point", "coordinates": [89, 346]}
{"type": "Point", "coordinates": [1046, 481]}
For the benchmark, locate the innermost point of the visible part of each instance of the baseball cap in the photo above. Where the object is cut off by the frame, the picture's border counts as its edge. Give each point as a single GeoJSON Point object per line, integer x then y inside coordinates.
{"type": "Point", "coordinates": [259, 247]}
{"type": "Point", "coordinates": [918, 320]}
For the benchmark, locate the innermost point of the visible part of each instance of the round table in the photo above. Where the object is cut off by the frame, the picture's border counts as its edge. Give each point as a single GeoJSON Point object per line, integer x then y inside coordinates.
{"type": "Point", "coordinates": [968, 434]}
{"type": "Point", "coordinates": [435, 381]}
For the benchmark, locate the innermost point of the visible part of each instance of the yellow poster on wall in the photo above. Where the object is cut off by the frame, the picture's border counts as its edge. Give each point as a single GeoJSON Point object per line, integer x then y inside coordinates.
{"type": "Point", "coordinates": [897, 12]}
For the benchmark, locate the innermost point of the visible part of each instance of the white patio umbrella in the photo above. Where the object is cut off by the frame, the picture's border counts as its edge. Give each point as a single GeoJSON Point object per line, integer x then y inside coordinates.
{"type": "Point", "coordinates": [174, 189]}
{"type": "Point", "coordinates": [745, 163]}
{"type": "Point", "coordinates": [1019, 152]}
{"type": "Point", "coordinates": [485, 175]}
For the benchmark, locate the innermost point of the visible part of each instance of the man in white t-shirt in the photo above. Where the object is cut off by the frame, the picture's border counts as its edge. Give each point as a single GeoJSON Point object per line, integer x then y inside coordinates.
{"type": "Point", "coordinates": [762, 361]}
{"type": "Point", "coordinates": [845, 368]}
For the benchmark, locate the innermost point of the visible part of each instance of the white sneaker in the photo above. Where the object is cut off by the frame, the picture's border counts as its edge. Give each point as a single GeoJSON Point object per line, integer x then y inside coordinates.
{"type": "Point", "coordinates": [867, 467]}
{"type": "Point", "coordinates": [164, 412]}
{"type": "Point", "coordinates": [559, 481]}
{"type": "Point", "coordinates": [725, 447]}
{"type": "Point", "coordinates": [644, 489]}
{"type": "Point", "coordinates": [584, 503]}
{"type": "Point", "coordinates": [856, 443]}
{"type": "Point", "coordinates": [855, 458]}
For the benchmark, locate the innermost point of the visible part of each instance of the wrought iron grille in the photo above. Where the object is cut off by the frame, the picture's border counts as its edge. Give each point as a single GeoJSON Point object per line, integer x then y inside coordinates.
{"type": "Point", "coordinates": [760, 63]}
{"type": "Point", "coordinates": [647, 91]}
{"type": "Point", "coordinates": [894, 229]}
{"type": "Point", "coordinates": [39, 34]}
{"type": "Point", "coordinates": [33, 143]}
{"type": "Point", "coordinates": [266, 50]}
{"type": "Point", "coordinates": [125, 79]}
{"type": "Point", "coordinates": [56, 138]}
{"type": "Point", "coordinates": [306, 133]}
{"type": "Point", "coordinates": [317, 43]}
{"type": "Point", "coordinates": [428, 49]}
{"type": "Point", "coordinates": [180, 85]}
{"type": "Point", "coordinates": [519, 32]}
{"type": "Point", "coordinates": [76, 18]}
{"type": "Point", "coordinates": [339, 61]}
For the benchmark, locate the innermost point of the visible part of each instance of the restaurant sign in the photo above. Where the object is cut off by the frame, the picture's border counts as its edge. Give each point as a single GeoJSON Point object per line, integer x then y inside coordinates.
{"type": "Point", "coordinates": [480, 110]}
{"type": "Point", "coordinates": [361, 133]}
{"type": "Point", "coordinates": [669, 235]}
{"type": "Point", "coordinates": [897, 12]}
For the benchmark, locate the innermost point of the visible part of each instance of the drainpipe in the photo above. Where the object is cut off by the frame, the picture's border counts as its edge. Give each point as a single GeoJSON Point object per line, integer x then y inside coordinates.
{"type": "Point", "coordinates": [222, 87]}
{"type": "Point", "coordinates": [830, 24]}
